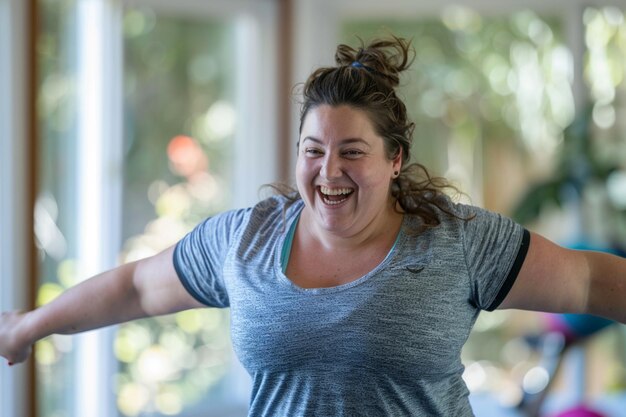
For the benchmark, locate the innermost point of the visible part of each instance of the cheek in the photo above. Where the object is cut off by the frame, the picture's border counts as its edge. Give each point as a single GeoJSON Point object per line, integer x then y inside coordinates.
{"type": "Point", "coordinates": [300, 170]}
{"type": "Point", "coordinates": [376, 184]}
{"type": "Point", "coordinates": [304, 172]}
{"type": "Point", "coordinates": [376, 178]}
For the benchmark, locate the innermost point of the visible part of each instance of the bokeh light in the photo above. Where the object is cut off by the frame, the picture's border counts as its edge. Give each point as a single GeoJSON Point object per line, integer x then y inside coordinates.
{"type": "Point", "coordinates": [186, 156]}
{"type": "Point", "coordinates": [219, 121]}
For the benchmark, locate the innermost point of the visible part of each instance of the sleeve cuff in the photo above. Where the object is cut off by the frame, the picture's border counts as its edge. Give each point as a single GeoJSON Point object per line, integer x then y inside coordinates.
{"type": "Point", "coordinates": [512, 276]}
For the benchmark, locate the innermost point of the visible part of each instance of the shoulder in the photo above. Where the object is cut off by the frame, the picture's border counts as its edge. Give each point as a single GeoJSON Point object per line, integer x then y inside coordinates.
{"type": "Point", "coordinates": [464, 221]}
{"type": "Point", "coordinates": [267, 217]}
{"type": "Point", "coordinates": [243, 228]}
{"type": "Point", "coordinates": [233, 222]}
{"type": "Point", "coordinates": [273, 209]}
{"type": "Point", "coordinates": [275, 203]}
{"type": "Point", "coordinates": [264, 209]}
{"type": "Point", "coordinates": [464, 214]}
{"type": "Point", "coordinates": [450, 210]}
{"type": "Point", "coordinates": [484, 233]}
{"type": "Point", "coordinates": [448, 214]}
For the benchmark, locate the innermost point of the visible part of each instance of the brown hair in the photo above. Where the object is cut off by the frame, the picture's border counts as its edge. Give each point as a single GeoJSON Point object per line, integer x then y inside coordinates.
{"type": "Point", "coordinates": [366, 79]}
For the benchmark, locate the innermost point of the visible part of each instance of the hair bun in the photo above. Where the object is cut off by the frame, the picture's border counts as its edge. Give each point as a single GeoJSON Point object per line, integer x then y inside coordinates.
{"type": "Point", "coordinates": [387, 58]}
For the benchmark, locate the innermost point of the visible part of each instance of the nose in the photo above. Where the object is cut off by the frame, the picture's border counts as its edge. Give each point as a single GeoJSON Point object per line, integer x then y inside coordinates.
{"type": "Point", "coordinates": [331, 167]}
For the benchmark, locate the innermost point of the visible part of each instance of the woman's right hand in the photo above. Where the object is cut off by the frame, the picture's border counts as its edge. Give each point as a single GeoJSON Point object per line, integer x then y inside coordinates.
{"type": "Point", "coordinates": [13, 346]}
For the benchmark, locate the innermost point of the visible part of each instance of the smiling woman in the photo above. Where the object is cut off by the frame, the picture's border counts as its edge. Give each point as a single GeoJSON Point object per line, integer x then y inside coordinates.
{"type": "Point", "coordinates": [344, 177]}
{"type": "Point", "coordinates": [381, 276]}
{"type": "Point", "coordinates": [361, 94]}
{"type": "Point", "coordinates": [343, 173]}
{"type": "Point", "coordinates": [356, 296]}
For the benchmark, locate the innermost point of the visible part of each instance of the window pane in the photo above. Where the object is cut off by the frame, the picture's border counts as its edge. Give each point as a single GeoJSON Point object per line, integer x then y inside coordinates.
{"type": "Point", "coordinates": [56, 207]}
{"type": "Point", "coordinates": [179, 120]}
{"type": "Point", "coordinates": [605, 72]}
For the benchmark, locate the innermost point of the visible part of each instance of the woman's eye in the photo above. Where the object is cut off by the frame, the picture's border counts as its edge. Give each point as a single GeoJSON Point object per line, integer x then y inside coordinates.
{"type": "Point", "coordinates": [312, 152]}
{"type": "Point", "coordinates": [353, 153]}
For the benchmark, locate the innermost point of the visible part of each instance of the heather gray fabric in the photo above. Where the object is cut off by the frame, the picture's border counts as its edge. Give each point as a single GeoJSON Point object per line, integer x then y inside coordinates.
{"type": "Point", "coordinates": [387, 344]}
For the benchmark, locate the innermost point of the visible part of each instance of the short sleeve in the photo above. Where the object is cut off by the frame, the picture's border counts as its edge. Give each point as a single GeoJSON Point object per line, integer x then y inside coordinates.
{"type": "Point", "coordinates": [199, 257]}
{"type": "Point", "coordinates": [495, 249]}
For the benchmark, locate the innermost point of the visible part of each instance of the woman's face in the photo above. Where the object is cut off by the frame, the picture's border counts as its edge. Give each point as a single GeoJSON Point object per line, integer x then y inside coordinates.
{"type": "Point", "coordinates": [342, 171]}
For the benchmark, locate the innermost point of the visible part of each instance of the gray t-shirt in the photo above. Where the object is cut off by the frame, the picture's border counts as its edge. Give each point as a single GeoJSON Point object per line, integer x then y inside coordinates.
{"type": "Point", "coordinates": [387, 344]}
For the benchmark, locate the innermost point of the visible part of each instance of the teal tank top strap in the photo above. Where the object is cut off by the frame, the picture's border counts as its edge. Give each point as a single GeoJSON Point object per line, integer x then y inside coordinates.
{"type": "Point", "coordinates": [284, 256]}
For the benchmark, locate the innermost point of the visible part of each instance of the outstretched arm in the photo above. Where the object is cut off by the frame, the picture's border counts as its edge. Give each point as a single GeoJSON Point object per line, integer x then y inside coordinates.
{"type": "Point", "coordinates": [139, 289]}
{"type": "Point", "coordinates": [559, 280]}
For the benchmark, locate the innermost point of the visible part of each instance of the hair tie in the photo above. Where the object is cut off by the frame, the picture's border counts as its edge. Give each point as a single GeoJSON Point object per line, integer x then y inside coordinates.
{"type": "Point", "coordinates": [357, 64]}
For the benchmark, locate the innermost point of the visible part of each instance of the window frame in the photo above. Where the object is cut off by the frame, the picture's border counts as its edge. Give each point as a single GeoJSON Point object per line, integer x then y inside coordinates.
{"type": "Point", "coordinates": [15, 191]}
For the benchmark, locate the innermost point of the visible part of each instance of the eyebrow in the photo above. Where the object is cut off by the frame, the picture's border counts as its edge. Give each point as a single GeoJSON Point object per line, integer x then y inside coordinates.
{"type": "Point", "coordinates": [342, 142]}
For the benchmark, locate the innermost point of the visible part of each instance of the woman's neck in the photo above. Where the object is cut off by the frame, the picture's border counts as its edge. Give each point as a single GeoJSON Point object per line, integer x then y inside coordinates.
{"type": "Point", "coordinates": [382, 230]}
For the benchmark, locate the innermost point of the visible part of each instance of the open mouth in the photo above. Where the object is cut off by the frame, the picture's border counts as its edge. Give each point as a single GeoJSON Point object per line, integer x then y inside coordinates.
{"type": "Point", "coordinates": [334, 196]}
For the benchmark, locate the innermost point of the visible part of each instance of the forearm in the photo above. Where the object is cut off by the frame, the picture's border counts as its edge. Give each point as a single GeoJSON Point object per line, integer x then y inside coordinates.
{"type": "Point", "coordinates": [106, 299]}
{"type": "Point", "coordinates": [607, 286]}
{"type": "Point", "coordinates": [148, 287]}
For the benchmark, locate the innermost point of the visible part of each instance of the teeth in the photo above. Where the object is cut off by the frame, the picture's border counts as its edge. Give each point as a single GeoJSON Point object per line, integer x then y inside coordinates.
{"type": "Point", "coordinates": [336, 191]}
{"type": "Point", "coordinates": [332, 203]}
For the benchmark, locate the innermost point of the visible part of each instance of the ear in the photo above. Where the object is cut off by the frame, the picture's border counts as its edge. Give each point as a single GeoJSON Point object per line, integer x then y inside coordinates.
{"type": "Point", "coordinates": [397, 162]}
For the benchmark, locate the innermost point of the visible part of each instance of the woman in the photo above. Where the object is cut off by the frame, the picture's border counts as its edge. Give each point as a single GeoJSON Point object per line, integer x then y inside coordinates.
{"type": "Point", "coordinates": [354, 296]}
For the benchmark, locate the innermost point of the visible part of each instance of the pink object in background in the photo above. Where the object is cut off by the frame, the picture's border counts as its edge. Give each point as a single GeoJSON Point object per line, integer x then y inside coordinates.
{"type": "Point", "coordinates": [579, 411]}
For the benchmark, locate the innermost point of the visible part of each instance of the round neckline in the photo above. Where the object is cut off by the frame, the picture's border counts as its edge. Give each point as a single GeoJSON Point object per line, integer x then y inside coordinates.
{"type": "Point", "coordinates": [292, 215]}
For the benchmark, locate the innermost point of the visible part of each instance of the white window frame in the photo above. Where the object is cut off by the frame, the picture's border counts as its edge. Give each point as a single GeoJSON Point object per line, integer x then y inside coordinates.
{"type": "Point", "coordinates": [14, 210]}
{"type": "Point", "coordinates": [99, 188]}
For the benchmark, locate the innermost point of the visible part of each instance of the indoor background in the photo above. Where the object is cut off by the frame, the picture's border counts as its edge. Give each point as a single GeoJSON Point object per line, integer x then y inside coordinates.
{"type": "Point", "coordinates": [123, 123]}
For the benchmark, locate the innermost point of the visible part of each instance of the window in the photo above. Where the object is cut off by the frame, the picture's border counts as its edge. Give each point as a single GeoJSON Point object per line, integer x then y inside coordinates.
{"type": "Point", "coordinates": [151, 121]}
